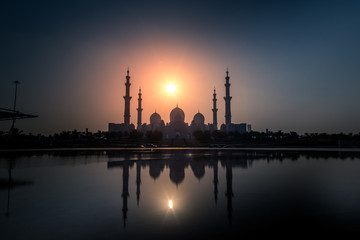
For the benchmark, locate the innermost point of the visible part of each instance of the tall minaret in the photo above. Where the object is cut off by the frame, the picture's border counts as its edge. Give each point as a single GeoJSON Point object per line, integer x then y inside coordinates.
{"type": "Point", "coordinates": [227, 100]}
{"type": "Point", "coordinates": [214, 111]}
{"type": "Point", "coordinates": [127, 100]}
{"type": "Point", "coordinates": [139, 109]}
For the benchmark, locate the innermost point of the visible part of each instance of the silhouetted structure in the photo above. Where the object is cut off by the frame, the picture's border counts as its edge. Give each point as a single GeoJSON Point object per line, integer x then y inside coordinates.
{"type": "Point", "coordinates": [139, 109]}
{"type": "Point", "coordinates": [7, 114]}
{"type": "Point", "coordinates": [177, 129]}
{"type": "Point", "coordinates": [126, 126]}
{"type": "Point", "coordinates": [214, 110]}
{"type": "Point", "coordinates": [13, 123]}
{"type": "Point", "coordinates": [227, 99]}
{"type": "Point", "coordinates": [127, 98]}
{"type": "Point", "coordinates": [228, 126]}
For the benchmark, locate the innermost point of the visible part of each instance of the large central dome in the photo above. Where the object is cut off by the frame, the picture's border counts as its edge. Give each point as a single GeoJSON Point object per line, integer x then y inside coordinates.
{"type": "Point", "coordinates": [155, 119]}
{"type": "Point", "coordinates": [177, 115]}
{"type": "Point", "coordinates": [199, 119]}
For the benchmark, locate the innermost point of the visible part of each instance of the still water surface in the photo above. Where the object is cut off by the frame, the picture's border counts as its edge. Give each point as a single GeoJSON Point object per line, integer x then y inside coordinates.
{"type": "Point", "coordinates": [178, 194]}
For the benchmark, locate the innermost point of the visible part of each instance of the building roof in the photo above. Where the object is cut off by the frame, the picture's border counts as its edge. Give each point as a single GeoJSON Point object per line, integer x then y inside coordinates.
{"type": "Point", "coordinates": [177, 115]}
{"type": "Point", "coordinates": [199, 119]}
{"type": "Point", "coordinates": [7, 114]}
{"type": "Point", "coordinates": [155, 118]}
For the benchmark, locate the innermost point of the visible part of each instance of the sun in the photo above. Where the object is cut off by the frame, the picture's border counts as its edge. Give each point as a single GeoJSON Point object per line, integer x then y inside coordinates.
{"type": "Point", "coordinates": [170, 88]}
{"type": "Point", "coordinates": [170, 204]}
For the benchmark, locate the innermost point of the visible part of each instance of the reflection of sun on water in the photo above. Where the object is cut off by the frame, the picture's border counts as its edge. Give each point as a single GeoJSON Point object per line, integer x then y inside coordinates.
{"type": "Point", "coordinates": [170, 204]}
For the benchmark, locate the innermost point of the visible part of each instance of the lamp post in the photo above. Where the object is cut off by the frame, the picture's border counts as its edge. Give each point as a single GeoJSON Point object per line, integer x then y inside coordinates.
{"type": "Point", "coordinates": [14, 116]}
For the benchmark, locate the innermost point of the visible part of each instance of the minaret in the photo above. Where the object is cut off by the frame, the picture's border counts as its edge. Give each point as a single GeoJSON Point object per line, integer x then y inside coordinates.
{"type": "Point", "coordinates": [227, 100]}
{"type": "Point", "coordinates": [139, 109]}
{"type": "Point", "coordinates": [127, 100]}
{"type": "Point", "coordinates": [214, 111]}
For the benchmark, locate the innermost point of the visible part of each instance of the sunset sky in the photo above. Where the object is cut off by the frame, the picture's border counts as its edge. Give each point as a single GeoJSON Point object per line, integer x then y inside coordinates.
{"type": "Point", "coordinates": [293, 65]}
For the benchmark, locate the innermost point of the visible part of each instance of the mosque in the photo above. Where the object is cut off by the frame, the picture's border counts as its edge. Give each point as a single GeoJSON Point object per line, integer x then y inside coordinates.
{"type": "Point", "coordinates": [177, 127]}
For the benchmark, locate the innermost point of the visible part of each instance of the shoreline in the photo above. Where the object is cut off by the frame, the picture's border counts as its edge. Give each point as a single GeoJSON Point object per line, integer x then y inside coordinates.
{"type": "Point", "coordinates": [316, 149]}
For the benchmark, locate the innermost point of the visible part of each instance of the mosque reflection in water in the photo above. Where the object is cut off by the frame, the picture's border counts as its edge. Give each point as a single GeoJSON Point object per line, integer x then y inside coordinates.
{"type": "Point", "coordinates": [291, 188]}
{"type": "Point", "coordinates": [177, 163]}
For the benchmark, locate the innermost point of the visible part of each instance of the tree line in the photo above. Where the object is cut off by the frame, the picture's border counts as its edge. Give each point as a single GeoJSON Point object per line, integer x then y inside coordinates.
{"type": "Point", "coordinates": [198, 138]}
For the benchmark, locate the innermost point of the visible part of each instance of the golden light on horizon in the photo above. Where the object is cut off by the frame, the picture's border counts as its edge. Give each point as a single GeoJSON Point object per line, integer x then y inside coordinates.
{"type": "Point", "coordinates": [170, 204]}
{"type": "Point", "coordinates": [170, 88]}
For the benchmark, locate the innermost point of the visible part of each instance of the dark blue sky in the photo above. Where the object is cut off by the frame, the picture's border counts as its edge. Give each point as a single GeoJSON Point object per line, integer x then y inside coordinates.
{"type": "Point", "coordinates": [294, 65]}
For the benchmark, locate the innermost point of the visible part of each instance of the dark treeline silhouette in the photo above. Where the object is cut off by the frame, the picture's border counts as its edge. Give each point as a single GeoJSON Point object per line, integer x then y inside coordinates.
{"type": "Point", "coordinates": [198, 139]}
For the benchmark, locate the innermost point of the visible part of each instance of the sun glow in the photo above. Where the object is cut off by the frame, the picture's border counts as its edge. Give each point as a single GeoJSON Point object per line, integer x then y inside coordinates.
{"type": "Point", "coordinates": [170, 88]}
{"type": "Point", "coordinates": [170, 204]}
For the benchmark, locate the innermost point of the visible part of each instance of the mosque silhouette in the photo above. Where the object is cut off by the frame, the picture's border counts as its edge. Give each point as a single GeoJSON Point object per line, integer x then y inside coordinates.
{"type": "Point", "coordinates": [177, 127]}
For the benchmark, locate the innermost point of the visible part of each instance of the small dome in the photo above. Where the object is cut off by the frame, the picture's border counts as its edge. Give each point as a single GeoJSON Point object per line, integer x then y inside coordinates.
{"type": "Point", "coordinates": [177, 115]}
{"type": "Point", "coordinates": [155, 118]}
{"type": "Point", "coordinates": [199, 119]}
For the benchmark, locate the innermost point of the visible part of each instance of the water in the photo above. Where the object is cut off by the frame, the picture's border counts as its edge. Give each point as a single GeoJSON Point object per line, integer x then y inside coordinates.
{"type": "Point", "coordinates": [178, 194]}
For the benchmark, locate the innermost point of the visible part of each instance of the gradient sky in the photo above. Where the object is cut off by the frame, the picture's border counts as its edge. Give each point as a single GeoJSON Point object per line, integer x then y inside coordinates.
{"type": "Point", "coordinates": [294, 65]}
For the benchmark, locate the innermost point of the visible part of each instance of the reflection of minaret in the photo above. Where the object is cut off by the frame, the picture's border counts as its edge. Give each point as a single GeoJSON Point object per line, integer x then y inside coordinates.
{"type": "Point", "coordinates": [125, 193]}
{"type": "Point", "coordinates": [216, 181]}
{"type": "Point", "coordinates": [127, 100]}
{"type": "Point", "coordinates": [229, 193]}
{"type": "Point", "coordinates": [125, 165]}
{"type": "Point", "coordinates": [214, 111]}
{"type": "Point", "coordinates": [139, 109]}
{"type": "Point", "coordinates": [138, 179]}
{"type": "Point", "coordinates": [227, 100]}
